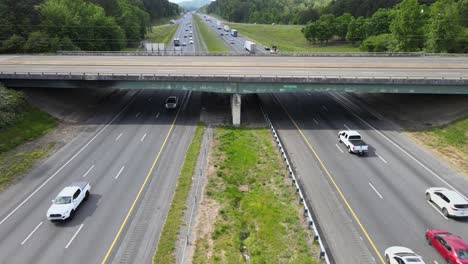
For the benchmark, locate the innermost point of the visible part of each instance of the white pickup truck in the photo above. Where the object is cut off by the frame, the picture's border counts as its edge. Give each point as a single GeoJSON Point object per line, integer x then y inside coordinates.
{"type": "Point", "coordinates": [68, 200]}
{"type": "Point", "coordinates": [353, 142]}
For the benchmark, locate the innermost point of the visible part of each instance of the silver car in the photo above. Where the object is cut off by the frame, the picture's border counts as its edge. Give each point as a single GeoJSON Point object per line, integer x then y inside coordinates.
{"type": "Point", "coordinates": [171, 102]}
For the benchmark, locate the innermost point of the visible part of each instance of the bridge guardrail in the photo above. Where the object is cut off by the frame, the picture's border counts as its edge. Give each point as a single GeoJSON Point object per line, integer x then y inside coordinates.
{"type": "Point", "coordinates": [312, 223]}
{"type": "Point", "coordinates": [281, 54]}
{"type": "Point", "coordinates": [297, 78]}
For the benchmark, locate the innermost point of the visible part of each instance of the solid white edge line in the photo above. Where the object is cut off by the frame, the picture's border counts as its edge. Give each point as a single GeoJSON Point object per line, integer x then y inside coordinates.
{"type": "Point", "coordinates": [324, 107]}
{"type": "Point", "coordinates": [375, 190]}
{"type": "Point", "coordinates": [120, 171]}
{"type": "Point", "coordinates": [401, 149]}
{"type": "Point", "coordinates": [63, 166]}
{"type": "Point", "coordinates": [382, 159]}
{"type": "Point", "coordinates": [89, 170]}
{"type": "Point", "coordinates": [437, 209]}
{"type": "Point", "coordinates": [346, 127]}
{"type": "Point", "coordinates": [339, 148]}
{"type": "Point", "coordinates": [157, 115]}
{"type": "Point", "coordinates": [143, 138]}
{"type": "Point", "coordinates": [137, 114]}
{"type": "Point", "coordinates": [118, 137]}
{"type": "Point", "coordinates": [73, 237]}
{"type": "Point", "coordinates": [30, 234]}
{"type": "Point", "coordinates": [315, 121]}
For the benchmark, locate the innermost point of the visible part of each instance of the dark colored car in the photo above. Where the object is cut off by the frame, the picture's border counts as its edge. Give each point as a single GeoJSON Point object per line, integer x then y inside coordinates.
{"type": "Point", "coordinates": [452, 248]}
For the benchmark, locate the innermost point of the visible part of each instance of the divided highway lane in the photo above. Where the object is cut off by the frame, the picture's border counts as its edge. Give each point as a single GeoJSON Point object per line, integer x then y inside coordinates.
{"type": "Point", "coordinates": [182, 33]}
{"type": "Point", "coordinates": [384, 189]}
{"type": "Point", "coordinates": [116, 163]}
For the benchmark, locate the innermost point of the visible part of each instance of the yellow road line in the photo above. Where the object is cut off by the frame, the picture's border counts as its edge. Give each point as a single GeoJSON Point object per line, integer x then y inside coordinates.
{"type": "Point", "coordinates": [334, 184]}
{"type": "Point", "coordinates": [140, 191]}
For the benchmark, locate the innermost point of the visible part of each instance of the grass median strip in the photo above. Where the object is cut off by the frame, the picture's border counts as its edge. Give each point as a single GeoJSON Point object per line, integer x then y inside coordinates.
{"type": "Point", "coordinates": [450, 141]}
{"type": "Point", "coordinates": [213, 42]}
{"type": "Point", "coordinates": [162, 34]}
{"type": "Point", "coordinates": [288, 38]}
{"type": "Point", "coordinates": [257, 217]}
{"type": "Point", "coordinates": [166, 245]}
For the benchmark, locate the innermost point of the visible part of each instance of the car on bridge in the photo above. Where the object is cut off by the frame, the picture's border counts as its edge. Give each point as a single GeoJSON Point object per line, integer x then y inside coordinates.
{"type": "Point", "coordinates": [353, 142]}
{"type": "Point", "coordinates": [67, 201]}
{"type": "Point", "coordinates": [171, 102]}
{"type": "Point", "coordinates": [402, 255]}
{"type": "Point", "coordinates": [450, 202]}
{"type": "Point", "coordinates": [450, 247]}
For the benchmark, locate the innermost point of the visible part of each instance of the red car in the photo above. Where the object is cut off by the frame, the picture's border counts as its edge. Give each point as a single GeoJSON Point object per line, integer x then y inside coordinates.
{"type": "Point", "coordinates": [452, 248]}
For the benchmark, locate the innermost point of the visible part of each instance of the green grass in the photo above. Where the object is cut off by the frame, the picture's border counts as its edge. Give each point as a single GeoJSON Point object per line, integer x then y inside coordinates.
{"type": "Point", "coordinates": [259, 212]}
{"type": "Point", "coordinates": [450, 142]}
{"type": "Point", "coordinates": [13, 165]}
{"type": "Point", "coordinates": [164, 20]}
{"type": "Point", "coordinates": [455, 135]}
{"type": "Point", "coordinates": [20, 123]}
{"type": "Point", "coordinates": [162, 34]}
{"type": "Point", "coordinates": [31, 124]}
{"type": "Point", "coordinates": [213, 42]}
{"type": "Point", "coordinates": [288, 38]}
{"type": "Point", "coordinates": [166, 245]}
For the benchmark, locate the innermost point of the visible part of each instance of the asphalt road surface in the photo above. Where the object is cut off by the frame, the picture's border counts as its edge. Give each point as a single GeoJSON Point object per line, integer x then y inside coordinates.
{"type": "Point", "coordinates": [132, 157]}
{"type": "Point", "coordinates": [364, 204]}
{"type": "Point", "coordinates": [385, 189]}
{"type": "Point", "coordinates": [115, 158]}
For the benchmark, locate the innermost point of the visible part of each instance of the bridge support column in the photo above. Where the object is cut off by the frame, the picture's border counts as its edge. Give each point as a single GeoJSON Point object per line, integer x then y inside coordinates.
{"type": "Point", "coordinates": [236, 109]}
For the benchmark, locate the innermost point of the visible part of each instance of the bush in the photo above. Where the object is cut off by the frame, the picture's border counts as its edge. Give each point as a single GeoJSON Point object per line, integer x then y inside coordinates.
{"type": "Point", "coordinates": [380, 43]}
{"type": "Point", "coordinates": [13, 45]}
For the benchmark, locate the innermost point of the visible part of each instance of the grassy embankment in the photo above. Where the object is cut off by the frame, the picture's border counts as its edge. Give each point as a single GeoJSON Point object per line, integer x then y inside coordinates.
{"type": "Point", "coordinates": [162, 34]}
{"type": "Point", "coordinates": [213, 42]}
{"type": "Point", "coordinates": [166, 245]}
{"type": "Point", "coordinates": [450, 142]}
{"type": "Point", "coordinates": [288, 38]}
{"type": "Point", "coordinates": [20, 123]}
{"type": "Point", "coordinates": [259, 217]}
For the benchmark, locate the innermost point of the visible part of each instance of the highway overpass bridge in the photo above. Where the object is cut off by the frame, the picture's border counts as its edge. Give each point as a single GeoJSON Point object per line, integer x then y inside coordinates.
{"type": "Point", "coordinates": [241, 74]}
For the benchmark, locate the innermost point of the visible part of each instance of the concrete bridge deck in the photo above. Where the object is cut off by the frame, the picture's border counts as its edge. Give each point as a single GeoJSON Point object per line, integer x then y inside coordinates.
{"type": "Point", "coordinates": [242, 74]}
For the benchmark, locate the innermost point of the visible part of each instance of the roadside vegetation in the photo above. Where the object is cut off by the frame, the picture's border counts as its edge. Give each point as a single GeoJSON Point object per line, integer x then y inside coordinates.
{"type": "Point", "coordinates": [434, 26]}
{"type": "Point", "coordinates": [288, 38]}
{"type": "Point", "coordinates": [212, 41]}
{"type": "Point", "coordinates": [40, 26]}
{"type": "Point", "coordinates": [20, 123]}
{"type": "Point", "coordinates": [166, 245]}
{"type": "Point", "coordinates": [162, 34]}
{"type": "Point", "coordinates": [257, 216]}
{"type": "Point", "coordinates": [450, 141]}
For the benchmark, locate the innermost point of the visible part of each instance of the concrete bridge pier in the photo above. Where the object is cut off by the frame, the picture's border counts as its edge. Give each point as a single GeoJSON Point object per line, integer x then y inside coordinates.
{"type": "Point", "coordinates": [236, 109]}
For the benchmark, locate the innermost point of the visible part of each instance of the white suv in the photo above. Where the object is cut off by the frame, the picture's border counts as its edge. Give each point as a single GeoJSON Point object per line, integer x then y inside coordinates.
{"type": "Point", "coordinates": [450, 202]}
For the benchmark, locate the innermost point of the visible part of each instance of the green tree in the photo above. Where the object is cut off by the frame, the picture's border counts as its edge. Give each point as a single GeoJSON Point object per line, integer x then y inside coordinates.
{"type": "Point", "coordinates": [380, 43]}
{"type": "Point", "coordinates": [463, 12]}
{"type": "Point", "coordinates": [407, 26]}
{"type": "Point", "coordinates": [13, 45]}
{"type": "Point", "coordinates": [310, 32]}
{"type": "Point", "coordinates": [379, 22]}
{"type": "Point", "coordinates": [38, 42]}
{"type": "Point", "coordinates": [443, 26]}
{"type": "Point", "coordinates": [357, 30]}
{"type": "Point", "coordinates": [325, 28]}
{"type": "Point", "coordinates": [84, 23]}
{"type": "Point", "coordinates": [341, 25]}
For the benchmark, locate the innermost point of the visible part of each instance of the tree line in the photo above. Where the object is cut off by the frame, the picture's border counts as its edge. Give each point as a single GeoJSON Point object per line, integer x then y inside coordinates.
{"type": "Point", "coordinates": [407, 27]}
{"type": "Point", "coordinates": [51, 25]}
